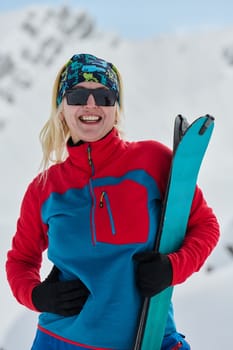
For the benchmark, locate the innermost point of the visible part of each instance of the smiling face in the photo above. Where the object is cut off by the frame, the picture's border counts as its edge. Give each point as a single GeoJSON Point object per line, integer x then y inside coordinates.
{"type": "Point", "coordinates": [88, 122]}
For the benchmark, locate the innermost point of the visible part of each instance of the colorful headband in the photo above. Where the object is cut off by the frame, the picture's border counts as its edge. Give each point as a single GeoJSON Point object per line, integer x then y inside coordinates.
{"type": "Point", "coordinates": [85, 67]}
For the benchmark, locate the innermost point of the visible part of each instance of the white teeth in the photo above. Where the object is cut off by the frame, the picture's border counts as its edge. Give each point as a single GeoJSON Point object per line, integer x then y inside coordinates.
{"type": "Point", "coordinates": [89, 118]}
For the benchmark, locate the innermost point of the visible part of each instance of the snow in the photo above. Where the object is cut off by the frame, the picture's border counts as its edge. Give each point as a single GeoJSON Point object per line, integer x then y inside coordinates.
{"type": "Point", "coordinates": [168, 75]}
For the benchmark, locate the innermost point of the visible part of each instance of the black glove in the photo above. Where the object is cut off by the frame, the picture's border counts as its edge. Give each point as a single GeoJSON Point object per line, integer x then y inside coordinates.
{"type": "Point", "coordinates": [64, 298]}
{"type": "Point", "coordinates": [154, 272]}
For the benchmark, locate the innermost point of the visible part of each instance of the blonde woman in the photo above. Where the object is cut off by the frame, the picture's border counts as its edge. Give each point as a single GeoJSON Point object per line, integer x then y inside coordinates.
{"type": "Point", "coordinates": [96, 211]}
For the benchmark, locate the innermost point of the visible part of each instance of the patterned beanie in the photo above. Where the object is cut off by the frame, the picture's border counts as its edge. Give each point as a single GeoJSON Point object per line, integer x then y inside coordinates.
{"type": "Point", "coordinates": [85, 67]}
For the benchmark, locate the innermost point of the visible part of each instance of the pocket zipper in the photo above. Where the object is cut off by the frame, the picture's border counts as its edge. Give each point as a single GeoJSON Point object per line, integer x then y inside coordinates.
{"type": "Point", "coordinates": [104, 198]}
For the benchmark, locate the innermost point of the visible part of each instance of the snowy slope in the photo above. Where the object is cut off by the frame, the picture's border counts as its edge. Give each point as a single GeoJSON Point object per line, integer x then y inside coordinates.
{"type": "Point", "coordinates": [164, 76]}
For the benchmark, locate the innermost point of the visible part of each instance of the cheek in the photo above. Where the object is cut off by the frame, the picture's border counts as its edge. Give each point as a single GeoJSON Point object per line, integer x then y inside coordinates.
{"type": "Point", "coordinates": [69, 111]}
{"type": "Point", "coordinates": [111, 115]}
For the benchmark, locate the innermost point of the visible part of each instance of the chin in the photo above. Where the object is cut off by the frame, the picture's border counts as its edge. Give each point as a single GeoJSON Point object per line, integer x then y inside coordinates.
{"type": "Point", "coordinates": [94, 137]}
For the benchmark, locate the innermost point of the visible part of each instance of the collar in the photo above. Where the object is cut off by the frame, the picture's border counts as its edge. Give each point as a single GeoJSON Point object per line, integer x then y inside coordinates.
{"type": "Point", "coordinates": [94, 155]}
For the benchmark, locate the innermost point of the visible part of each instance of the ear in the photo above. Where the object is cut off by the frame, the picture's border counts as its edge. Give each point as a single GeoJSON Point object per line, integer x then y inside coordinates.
{"type": "Point", "coordinates": [116, 117]}
{"type": "Point", "coordinates": [61, 116]}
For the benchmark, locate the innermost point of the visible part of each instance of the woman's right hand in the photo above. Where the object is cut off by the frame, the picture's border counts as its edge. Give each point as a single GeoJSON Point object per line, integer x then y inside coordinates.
{"type": "Point", "coordinates": [65, 298]}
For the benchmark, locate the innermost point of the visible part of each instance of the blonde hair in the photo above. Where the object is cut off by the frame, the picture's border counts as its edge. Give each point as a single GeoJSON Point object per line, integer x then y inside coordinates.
{"type": "Point", "coordinates": [55, 133]}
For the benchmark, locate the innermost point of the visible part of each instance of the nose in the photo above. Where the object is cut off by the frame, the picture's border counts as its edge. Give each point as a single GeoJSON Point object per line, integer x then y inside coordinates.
{"type": "Point", "coordinates": [91, 100]}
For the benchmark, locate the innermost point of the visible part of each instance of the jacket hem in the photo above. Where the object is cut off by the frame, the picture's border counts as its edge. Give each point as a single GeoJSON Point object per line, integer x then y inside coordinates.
{"type": "Point", "coordinates": [58, 337]}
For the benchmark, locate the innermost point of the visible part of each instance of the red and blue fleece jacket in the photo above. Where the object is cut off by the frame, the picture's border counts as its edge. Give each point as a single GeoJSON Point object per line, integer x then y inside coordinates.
{"type": "Point", "coordinates": [92, 213]}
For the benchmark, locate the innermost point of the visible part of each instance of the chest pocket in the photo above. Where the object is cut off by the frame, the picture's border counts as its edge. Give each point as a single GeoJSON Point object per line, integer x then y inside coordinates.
{"type": "Point", "coordinates": [121, 213]}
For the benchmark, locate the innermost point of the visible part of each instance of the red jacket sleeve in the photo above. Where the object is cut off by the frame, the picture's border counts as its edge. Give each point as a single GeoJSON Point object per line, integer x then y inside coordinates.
{"type": "Point", "coordinates": [201, 238]}
{"type": "Point", "coordinates": [25, 257]}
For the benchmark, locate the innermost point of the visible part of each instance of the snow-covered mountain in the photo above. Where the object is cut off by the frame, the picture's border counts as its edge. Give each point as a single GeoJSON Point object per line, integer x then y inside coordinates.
{"type": "Point", "coordinates": [163, 76]}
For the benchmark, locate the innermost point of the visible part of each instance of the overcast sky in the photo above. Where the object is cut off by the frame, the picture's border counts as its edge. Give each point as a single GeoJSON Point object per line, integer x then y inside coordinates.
{"type": "Point", "coordinates": [141, 19]}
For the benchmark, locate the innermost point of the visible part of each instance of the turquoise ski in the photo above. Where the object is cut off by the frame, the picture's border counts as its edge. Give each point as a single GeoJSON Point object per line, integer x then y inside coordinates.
{"type": "Point", "coordinates": [190, 144]}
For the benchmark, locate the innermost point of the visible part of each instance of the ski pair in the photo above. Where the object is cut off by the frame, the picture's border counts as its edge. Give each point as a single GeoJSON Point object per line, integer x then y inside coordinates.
{"type": "Point", "coordinates": [189, 145]}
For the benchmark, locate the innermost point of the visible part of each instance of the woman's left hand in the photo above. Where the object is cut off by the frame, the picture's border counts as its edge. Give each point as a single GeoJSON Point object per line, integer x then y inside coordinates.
{"type": "Point", "coordinates": [154, 272]}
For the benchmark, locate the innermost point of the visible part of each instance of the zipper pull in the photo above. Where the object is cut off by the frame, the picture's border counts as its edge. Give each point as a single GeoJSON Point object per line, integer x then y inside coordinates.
{"type": "Point", "coordinates": [89, 155]}
{"type": "Point", "coordinates": [102, 199]}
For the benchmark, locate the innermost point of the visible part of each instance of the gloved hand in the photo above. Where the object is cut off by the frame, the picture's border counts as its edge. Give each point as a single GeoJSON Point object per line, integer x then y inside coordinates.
{"type": "Point", "coordinates": [64, 298]}
{"type": "Point", "coordinates": [154, 272]}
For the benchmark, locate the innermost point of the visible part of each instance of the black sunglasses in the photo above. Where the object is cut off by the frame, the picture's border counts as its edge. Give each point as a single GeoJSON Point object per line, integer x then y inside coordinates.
{"type": "Point", "coordinates": [102, 96]}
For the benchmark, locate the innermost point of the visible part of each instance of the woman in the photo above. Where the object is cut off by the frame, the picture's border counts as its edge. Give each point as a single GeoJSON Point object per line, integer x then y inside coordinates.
{"type": "Point", "coordinates": [96, 210]}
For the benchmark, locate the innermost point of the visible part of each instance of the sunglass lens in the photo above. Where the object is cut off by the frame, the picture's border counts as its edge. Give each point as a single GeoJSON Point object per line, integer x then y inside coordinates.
{"type": "Point", "coordinates": [104, 97]}
{"type": "Point", "coordinates": [77, 97]}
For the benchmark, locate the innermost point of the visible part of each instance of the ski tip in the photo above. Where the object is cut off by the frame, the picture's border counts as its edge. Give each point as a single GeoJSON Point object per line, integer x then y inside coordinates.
{"type": "Point", "coordinates": [209, 120]}
{"type": "Point", "coordinates": [181, 125]}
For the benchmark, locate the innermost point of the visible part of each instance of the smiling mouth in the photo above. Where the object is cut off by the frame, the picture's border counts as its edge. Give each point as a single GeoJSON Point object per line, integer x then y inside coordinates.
{"type": "Point", "coordinates": [90, 119]}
